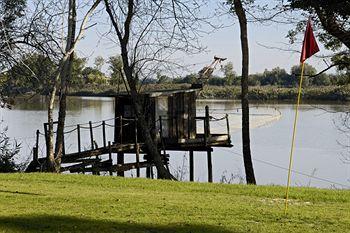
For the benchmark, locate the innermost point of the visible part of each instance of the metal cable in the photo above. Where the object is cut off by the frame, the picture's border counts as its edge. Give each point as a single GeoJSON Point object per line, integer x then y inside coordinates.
{"type": "Point", "coordinates": [294, 171]}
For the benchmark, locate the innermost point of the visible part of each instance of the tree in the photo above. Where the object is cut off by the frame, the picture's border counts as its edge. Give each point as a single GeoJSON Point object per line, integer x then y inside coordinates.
{"type": "Point", "coordinates": [230, 75]}
{"type": "Point", "coordinates": [77, 79]}
{"type": "Point", "coordinates": [38, 32]}
{"type": "Point", "coordinates": [99, 62]}
{"type": "Point", "coordinates": [116, 68]}
{"type": "Point", "coordinates": [162, 78]}
{"type": "Point", "coordinates": [148, 32]}
{"type": "Point", "coordinates": [20, 79]}
{"type": "Point", "coordinates": [11, 11]}
{"type": "Point", "coordinates": [274, 77]}
{"type": "Point", "coordinates": [61, 79]}
{"type": "Point", "coordinates": [332, 23]}
{"type": "Point", "coordinates": [296, 71]}
{"type": "Point", "coordinates": [94, 76]}
{"type": "Point", "coordinates": [248, 165]}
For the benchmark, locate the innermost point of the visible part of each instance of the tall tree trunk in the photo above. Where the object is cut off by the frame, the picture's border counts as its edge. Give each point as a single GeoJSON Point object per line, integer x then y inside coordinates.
{"type": "Point", "coordinates": [248, 165]}
{"type": "Point", "coordinates": [62, 71]}
{"type": "Point", "coordinates": [65, 78]}
{"type": "Point", "coordinates": [50, 159]}
{"type": "Point", "coordinates": [151, 145]}
{"type": "Point", "coordinates": [123, 38]}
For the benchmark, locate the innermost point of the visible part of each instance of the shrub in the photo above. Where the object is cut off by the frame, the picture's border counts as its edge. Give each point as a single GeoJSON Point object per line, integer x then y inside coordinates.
{"type": "Point", "coordinates": [8, 152]}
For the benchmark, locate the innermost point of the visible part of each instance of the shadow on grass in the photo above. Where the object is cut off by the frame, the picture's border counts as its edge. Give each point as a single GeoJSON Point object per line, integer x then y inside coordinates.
{"type": "Point", "coordinates": [19, 192]}
{"type": "Point", "coordinates": [50, 223]}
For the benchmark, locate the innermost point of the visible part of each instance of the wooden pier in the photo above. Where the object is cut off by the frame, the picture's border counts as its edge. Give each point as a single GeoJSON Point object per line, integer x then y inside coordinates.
{"type": "Point", "coordinates": [173, 121]}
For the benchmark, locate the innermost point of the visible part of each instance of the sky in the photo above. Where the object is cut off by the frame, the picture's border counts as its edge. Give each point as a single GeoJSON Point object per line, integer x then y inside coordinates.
{"type": "Point", "coordinates": [224, 42]}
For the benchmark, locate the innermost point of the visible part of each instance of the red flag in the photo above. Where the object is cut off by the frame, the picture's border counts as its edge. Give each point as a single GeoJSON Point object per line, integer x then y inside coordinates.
{"type": "Point", "coordinates": [310, 46]}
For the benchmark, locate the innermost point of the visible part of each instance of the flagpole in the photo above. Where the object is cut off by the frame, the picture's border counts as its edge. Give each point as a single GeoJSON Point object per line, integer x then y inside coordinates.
{"type": "Point", "coordinates": [293, 137]}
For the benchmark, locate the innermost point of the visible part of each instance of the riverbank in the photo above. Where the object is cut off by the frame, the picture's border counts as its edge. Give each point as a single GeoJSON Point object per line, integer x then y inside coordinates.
{"type": "Point", "coordinates": [84, 203]}
{"type": "Point", "coordinates": [263, 93]}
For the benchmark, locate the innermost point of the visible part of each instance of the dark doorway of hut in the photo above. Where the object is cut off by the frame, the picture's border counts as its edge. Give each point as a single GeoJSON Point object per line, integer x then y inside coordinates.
{"type": "Point", "coordinates": [174, 124]}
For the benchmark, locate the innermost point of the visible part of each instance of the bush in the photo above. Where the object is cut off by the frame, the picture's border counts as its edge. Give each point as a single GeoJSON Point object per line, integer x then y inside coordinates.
{"type": "Point", "coordinates": [8, 152]}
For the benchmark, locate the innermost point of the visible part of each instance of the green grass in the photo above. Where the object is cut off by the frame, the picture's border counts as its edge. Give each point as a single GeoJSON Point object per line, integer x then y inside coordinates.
{"type": "Point", "coordinates": [83, 203]}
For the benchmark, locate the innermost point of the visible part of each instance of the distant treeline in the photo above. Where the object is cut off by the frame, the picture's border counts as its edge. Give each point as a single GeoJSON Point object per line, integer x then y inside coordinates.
{"type": "Point", "coordinates": [275, 77]}
{"type": "Point", "coordinates": [34, 74]}
{"type": "Point", "coordinates": [258, 93]}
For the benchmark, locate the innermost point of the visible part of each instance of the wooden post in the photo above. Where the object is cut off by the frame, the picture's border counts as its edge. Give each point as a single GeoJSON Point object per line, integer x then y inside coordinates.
{"type": "Point", "coordinates": [121, 129]}
{"type": "Point", "coordinates": [228, 127]}
{"type": "Point", "coordinates": [148, 171]}
{"type": "Point", "coordinates": [191, 166]}
{"type": "Point", "coordinates": [35, 153]}
{"type": "Point", "coordinates": [210, 167]}
{"type": "Point", "coordinates": [137, 150]}
{"type": "Point", "coordinates": [37, 139]}
{"type": "Point", "coordinates": [116, 119]}
{"type": "Point", "coordinates": [120, 160]}
{"type": "Point", "coordinates": [104, 133]}
{"type": "Point", "coordinates": [160, 129]}
{"type": "Point", "coordinates": [91, 135]}
{"type": "Point", "coordinates": [79, 142]}
{"type": "Point", "coordinates": [177, 128]}
{"type": "Point", "coordinates": [207, 138]}
{"type": "Point", "coordinates": [46, 139]}
{"type": "Point", "coordinates": [207, 125]}
{"type": "Point", "coordinates": [151, 171]}
{"type": "Point", "coordinates": [110, 157]}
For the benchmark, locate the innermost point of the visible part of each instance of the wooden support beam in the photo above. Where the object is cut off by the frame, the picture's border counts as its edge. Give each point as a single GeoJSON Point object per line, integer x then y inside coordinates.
{"type": "Point", "coordinates": [191, 166]}
{"type": "Point", "coordinates": [137, 150]}
{"type": "Point", "coordinates": [206, 125]}
{"type": "Point", "coordinates": [79, 140]}
{"type": "Point", "coordinates": [35, 154]}
{"type": "Point", "coordinates": [91, 135]}
{"type": "Point", "coordinates": [116, 133]}
{"type": "Point", "coordinates": [110, 157]}
{"type": "Point", "coordinates": [120, 161]}
{"type": "Point", "coordinates": [37, 139]}
{"type": "Point", "coordinates": [151, 171]}
{"type": "Point", "coordinates": [104, 133]}
{"type": "Point", "coordinates": [148, 172]}
{"type": "Point", "coordinates": [121, 129]}
{"type": "Point", "coordinates": [210, 167]}
{"type": "Point", "coordinates": [228, 127]}
{"type": "Point", "coordinates": [46, 139]}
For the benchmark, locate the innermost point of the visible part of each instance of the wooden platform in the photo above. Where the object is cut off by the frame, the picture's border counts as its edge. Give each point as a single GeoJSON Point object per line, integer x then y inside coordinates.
{"type": "Point", "coordinates": [173, 128]}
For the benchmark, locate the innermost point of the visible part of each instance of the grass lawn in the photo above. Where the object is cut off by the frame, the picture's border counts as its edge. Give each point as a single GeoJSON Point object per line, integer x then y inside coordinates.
{"type": "Point", "coordinates": [83, 203]}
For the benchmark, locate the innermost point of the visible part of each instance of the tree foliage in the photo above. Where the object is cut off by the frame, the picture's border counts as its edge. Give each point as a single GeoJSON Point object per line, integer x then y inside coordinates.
{"type": "Point", "coordinates": [116, 69]}
{"type": "Point", "coordinates": [331, 21]}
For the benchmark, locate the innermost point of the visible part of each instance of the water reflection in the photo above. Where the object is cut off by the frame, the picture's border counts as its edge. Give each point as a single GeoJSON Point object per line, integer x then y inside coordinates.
{"type": "Point", "coordinates": [317, 150]}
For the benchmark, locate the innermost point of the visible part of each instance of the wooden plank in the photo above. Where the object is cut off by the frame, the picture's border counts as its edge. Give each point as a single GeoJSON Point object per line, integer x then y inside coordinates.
{"type": "Point", "coordinates": [118, 167]}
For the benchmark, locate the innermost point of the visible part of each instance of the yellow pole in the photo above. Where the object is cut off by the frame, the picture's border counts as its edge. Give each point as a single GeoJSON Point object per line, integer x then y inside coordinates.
{"type": "Point", "coordinates": [293, 137]}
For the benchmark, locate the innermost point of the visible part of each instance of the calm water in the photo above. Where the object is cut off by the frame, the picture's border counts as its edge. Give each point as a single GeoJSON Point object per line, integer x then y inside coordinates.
{"type": "Point", "coordinates": [318, 149]}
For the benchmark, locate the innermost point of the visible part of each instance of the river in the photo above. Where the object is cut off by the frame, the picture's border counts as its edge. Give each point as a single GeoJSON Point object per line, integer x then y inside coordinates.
{"type": "Point", "coordinates": [318, 153]}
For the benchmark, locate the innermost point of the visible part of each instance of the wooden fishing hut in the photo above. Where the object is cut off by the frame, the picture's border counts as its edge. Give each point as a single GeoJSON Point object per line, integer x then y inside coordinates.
{"type": "Point", "coordinates": [172, 117]}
